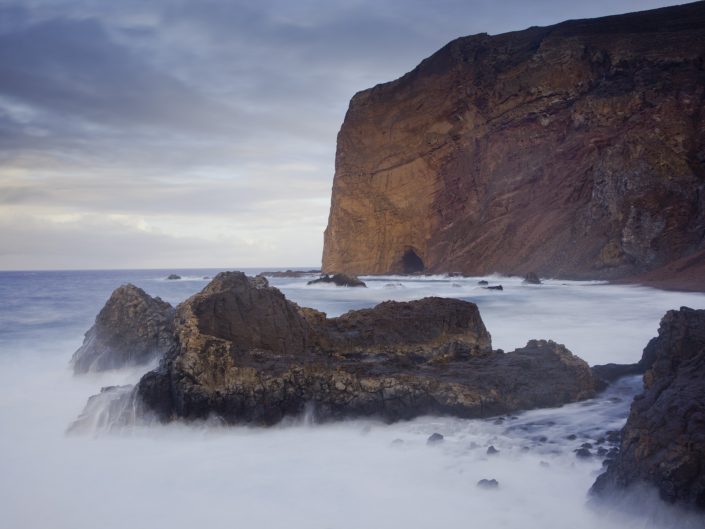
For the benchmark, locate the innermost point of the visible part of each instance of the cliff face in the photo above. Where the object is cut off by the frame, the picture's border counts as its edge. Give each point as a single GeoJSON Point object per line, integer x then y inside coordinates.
{"type": "Point", "coordinates": [573, 150]}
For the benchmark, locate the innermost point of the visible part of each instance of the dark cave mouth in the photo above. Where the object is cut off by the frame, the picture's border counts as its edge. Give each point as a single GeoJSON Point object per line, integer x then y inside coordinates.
{"type": "Point", "coordinates": [411, 263]}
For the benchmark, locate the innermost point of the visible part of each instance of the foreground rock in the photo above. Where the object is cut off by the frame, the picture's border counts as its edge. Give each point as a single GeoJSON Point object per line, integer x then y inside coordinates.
{"type": "Point", "coordinates": [663, 441]}
{"type": "Point", "coordinates": [245, 353]}
{"type": "Point", "coordinates": [499, 152]}
{"type": "Point", "coordinates": [131, 329]}
{"type": "Point", "coordinates": [339, 280]}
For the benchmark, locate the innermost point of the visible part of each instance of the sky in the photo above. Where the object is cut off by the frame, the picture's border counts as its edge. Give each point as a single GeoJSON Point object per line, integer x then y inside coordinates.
{"type": "Point", "coordinates": [173, 133]}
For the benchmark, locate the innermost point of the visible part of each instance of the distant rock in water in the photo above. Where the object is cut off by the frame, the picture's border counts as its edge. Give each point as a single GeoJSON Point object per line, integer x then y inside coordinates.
{"type": "Point", "coordinates": [494, 287]}
{"type": "Point", "coordinates": [434, 438]}
{"type": "Point", "coordinates": [532, 279]}
{"type": "Point", "coordinates": [663, 441]}
{"type": "Point", "coordinates": [131, 329]}
{"type": "Point", "coordinates": [573, 150]}
{"type": "Point", "coordinates": [340, 280]}
{"type": "Point", "coordinates": [173, 277]}
{"type": "Point", "coordinates": [483, 282]}
{"type": "Point", "coordinates": [290, 273]}
{"type": "Point", "coordinates": [489, 484]}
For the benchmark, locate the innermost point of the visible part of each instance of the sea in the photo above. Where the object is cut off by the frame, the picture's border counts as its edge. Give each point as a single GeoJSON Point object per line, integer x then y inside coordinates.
{"type": "Point", "coordinates": [302, 474]}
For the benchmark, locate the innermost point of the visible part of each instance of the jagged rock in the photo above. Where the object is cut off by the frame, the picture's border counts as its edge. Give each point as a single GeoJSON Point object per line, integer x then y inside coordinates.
{"type": "Point", "coordinates": [434, 438]}
{"type": "Point", "coordinates": [247, 354]}
{"type": "Point", "coordinates": [583, 453]}
{"type": "Point", "coordinates": [488, 484]}
{"type": "Point", "coordinates": [173, 277]}
{"type": "Point", "coordinates": [608, 373]}
{"type": "Point", "coordinates": [492, 450]}
{"type": "Point", "coordinates": [131, 329]}
{"type": "Point", "coordinates": [532, 279]}
{"type": "Point", "coordinates": [574, 150]}
{"type": "Point", "coordinates": [663, 441]}
{"type": "Point", "coordinates": [340, 280]}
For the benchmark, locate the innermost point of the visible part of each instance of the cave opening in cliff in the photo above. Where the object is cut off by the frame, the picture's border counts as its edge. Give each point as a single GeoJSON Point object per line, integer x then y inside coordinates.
{"type": "Point", "coordinates": [411, 263]}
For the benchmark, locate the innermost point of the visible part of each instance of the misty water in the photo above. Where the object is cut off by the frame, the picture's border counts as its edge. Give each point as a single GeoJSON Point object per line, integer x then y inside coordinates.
{"type": "Point", "coordinates": [300, 474]}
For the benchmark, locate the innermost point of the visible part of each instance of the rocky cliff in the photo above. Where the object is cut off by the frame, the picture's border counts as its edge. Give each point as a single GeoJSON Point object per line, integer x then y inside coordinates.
{"type": "Point", "coordinates": [663, 442]}
{"type": "Point", "coordinates": [575, 150]}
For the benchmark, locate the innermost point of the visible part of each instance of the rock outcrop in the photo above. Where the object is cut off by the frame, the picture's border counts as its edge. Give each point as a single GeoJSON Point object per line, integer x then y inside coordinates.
{"type": "Point", "coordinates": [339, 280]}
{"type": "Point", "coordinates": [131, 329]}
{"type": "Point", "coordinates": [248, 355]}
{"type": "Point", "coordinates": [663, 441]}
{"type": "Point", "coordinates": [575, 150]}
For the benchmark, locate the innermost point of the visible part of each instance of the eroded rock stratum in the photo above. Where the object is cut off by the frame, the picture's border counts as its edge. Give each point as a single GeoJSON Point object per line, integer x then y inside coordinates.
{"type": "Point", "coordinates": [574, 150]}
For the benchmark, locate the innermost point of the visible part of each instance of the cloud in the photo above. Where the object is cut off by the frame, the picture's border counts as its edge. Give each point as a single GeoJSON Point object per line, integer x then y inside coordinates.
{"type": "Point", "coordinates": [209, 117]}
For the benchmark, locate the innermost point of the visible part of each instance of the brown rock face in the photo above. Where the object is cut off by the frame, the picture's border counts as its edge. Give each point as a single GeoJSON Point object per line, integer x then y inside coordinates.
{"type": "Point", "coordinates": [574, 150]}
{"type": "Point", "coordinates": [663, 442]}
{"type": "Point", "coordinates": [132, 328]}
{"type": "Point", "coordinates": [247, 354]}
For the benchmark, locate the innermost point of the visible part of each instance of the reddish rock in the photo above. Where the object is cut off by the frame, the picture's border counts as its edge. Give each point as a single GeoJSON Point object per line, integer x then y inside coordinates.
{"type": "Point", "coordinates": [575, 150]}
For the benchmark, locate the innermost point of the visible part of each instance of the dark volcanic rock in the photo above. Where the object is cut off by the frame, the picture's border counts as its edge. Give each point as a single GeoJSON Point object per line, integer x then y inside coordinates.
{"type": "Point", "coordinates": [495, 287]}
{"type": "Point", "coordinates": [574, 150]}
{"type": "Point", "coordinates": [132, 328]}
{"type": "Point", "coordinates": [488, 484]}
{"type": "Point", "coordinates": [340, 280]}
{"type": "Point", "coordinates": [482, 282]}
{"type": "Point", "coordinates": [663, 441]}
{"type": "Point", "coordinates": [434, 438]}
{"type": "Point", "coordinates": [173, 276]}
{"type": "Point", "coordinates": [247, 354]}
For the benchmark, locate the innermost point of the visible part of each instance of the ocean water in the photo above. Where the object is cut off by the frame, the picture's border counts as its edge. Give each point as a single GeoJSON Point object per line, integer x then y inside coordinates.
{"type": "Point", "coordinates": [300, 474]}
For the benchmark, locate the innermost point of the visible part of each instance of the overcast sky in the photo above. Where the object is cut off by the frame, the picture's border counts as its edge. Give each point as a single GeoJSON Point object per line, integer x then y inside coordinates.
{"type": "Point", "coordinates": [159, 133]}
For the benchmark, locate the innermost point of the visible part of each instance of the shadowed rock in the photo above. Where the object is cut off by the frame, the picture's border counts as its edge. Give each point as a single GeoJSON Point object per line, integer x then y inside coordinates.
{"type": "Point", "coordinates": [663, 441]}
{"type": "Point", "coordinates": [131, 329]}
{"type": "Point", "coordinates": [339, 280]}
{"type": "Point", "coordinates": [532, 279]}
{"type": "Point", "coordinates": [245, 353]}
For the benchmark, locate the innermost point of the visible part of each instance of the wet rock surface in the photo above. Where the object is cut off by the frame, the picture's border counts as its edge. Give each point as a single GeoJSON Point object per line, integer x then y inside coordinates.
{"type": "Point", "coordinates": [339, 280]}
{"type": "Point", "coordinates": [131, 329]}
{"type": "Point", "coordinates": [499, 152]}
{"type": "Point", "coordinates": [246, 354]}
{"type": "Point", "coordinates": [663, 441]}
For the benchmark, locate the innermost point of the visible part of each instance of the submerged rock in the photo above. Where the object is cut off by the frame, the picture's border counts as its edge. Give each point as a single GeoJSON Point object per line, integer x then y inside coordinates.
{"type": "Point", "coordinates": [494, 287]}
{"type": "Point", "coordinates": [131, 329]}
{"type": "Point", "coordinates": [663, 441]}
{"type": "Point", "coordinates": [434, 438]}
{"type": "Point", "coordinates": [245, 353]}
{"type": "Point", "coordinates": [340, 280]}
{"type": "Point", "coordinates": [488, 484]}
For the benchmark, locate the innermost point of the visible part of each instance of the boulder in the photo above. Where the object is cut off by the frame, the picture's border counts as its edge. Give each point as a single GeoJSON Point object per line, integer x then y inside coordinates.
{"type": "Point", "coordinates": [131, 329]}
{"type": "Point", "coordinates": [173, 277]}
{"type": "Point", "coordinates": [245, 353]}
{"type": "Point", "coordinates": [488, 484]}
{"type": "Point", "coordinates": [339, 280]}
{"type": "Point", "coordinates": [663, 441]}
